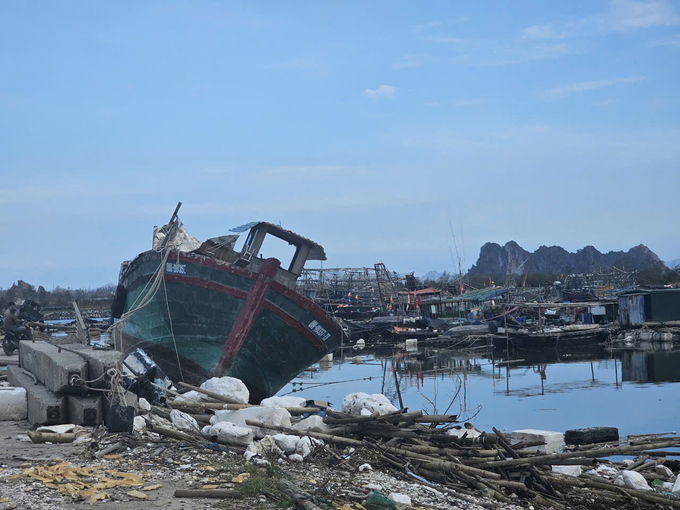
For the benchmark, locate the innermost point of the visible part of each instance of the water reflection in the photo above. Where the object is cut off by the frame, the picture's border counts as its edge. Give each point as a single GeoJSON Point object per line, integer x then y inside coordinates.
{"type": "Point", "coordinates": [553, 390]}
{"type": "Point", "coordinates": [656, 367]}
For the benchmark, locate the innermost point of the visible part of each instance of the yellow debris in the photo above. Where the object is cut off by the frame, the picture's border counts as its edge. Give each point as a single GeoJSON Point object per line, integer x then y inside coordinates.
{"type": "Point", "coordinates": [99, 496]}
{"type": "Point", "coordinates": [113, 456]}
{"type": "Point", "coordinates": [211, 486]}
{"type": "Point", "coordinates": [152, 487]}
{"type": "Point", "coordinates": [4, 500]}
{"type": "Point", "coordinates": [137, 495]}
{"type": "Point", "coordinates": [243, 477]}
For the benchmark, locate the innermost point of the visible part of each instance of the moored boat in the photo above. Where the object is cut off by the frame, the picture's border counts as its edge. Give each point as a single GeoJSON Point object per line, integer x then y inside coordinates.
{"type": "Point", "coordinates": [203, 309]}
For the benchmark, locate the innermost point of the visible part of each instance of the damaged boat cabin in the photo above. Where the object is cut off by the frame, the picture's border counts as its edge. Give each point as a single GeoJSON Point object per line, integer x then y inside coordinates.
{"type": "Point", "coordinates": [203, 309]}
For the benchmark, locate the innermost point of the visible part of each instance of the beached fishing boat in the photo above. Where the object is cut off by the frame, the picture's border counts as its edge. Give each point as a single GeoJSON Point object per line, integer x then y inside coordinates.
{"type": "Point", "coordinates": [202, 309]}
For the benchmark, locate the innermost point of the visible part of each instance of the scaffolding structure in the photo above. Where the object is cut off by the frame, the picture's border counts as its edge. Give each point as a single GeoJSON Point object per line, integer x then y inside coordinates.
{"type": "Point", "coordinates": [369, 285]}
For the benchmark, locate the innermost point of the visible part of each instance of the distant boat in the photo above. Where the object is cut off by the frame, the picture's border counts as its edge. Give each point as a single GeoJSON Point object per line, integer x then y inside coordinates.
{"type": "Point", "coordinates": [203, 309]}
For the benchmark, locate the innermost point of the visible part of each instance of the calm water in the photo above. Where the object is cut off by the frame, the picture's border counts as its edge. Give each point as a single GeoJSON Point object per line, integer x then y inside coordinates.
{"type": "Point", "coordinates": [638, 392]}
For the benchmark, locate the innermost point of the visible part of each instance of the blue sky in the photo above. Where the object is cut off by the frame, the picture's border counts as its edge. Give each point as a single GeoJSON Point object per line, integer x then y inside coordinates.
{"type": "Point", "coordinates": [367, 126]}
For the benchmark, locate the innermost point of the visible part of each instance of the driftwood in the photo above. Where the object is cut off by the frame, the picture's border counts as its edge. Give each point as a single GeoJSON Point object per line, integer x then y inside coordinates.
{"type": "Point", "coordinates": [310, 433]}
{"type": "Point", "coordinates": [208, 493]}
{"type": "Point", "coordinates": [600, 452]}
{"type": "Point", "coordinates": [608, 486]}
{"type": "Point", "coordinates": [51, 437]}
{"type": "Point", "coordinates": [109, 449]}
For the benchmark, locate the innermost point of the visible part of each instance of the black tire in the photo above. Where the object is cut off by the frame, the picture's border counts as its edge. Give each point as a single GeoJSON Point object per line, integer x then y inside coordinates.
{"type": "Point", "coordinates": [118, 305]}
{"type": "Point", "coordinates": [7, 347]}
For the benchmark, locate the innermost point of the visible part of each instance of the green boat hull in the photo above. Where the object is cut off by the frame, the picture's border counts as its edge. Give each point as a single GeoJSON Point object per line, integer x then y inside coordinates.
{"type": "Point", "coordinates": [209, 318]}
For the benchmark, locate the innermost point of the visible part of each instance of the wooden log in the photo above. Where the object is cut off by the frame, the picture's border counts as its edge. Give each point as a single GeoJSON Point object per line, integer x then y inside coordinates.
{"type": "Point", "coordinates": [608, 486]}
{"type": "Point", "coordinates": [506, 446]}
{"type": "Point", "coordinates": [441, 465]}
{"type": "Point", "coordinates": [555, 458]}
{"type": "Point", "coordinates": [438, 418]}
{"type": "Point", "coordinates": [174, 434]}
{"type": "Point", "coordinates": [51, 437]}
{"type": "Point", "coordinates": [310, 433]}
{"type": "Point", "coordinates": [202, 407]}
{"type": "Point", "coordinates": [350, 419]}
{"type": "Point", "coordinates": [450, 492]}
{"type": "Point", "coordinates": [109, 449]}
{"type": "Point", "coordinates": [472, 452]}
{"type": "Point", "coordinates": [164, 413]}
{"type": "Point", "coordinates": [208, 493]}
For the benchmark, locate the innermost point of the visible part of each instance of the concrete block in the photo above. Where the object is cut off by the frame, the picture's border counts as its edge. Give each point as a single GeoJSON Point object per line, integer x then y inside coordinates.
{"type": "Point", "coordinates": [12, 404]}
{"type": "Point", "coordinates": [53, 368]}
{"type": "Point", "coordinates": [43, 406]}
{"type": "Point", "coordinates": [554, 440]}
{"type": "Point", "coordinates": [591, 435]}
{"type": "Point", "coordinates": [98, 361]}
{"type": "Point", "coordinates": [85, 410]}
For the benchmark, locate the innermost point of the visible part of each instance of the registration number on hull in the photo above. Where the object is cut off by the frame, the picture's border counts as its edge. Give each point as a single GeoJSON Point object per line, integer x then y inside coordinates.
{"type": "Point", "coordinates": [319, 330]}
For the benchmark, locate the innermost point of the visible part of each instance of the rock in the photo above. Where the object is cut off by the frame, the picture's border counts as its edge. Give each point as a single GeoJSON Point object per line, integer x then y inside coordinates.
{"type": "Point", "coordinates": [554, 440]}
{"type": "Point", "coordinates": [314, 422]}
{"type": "Point", "coordinates": [13, 405]}
{"type": "Point", "coordinates": [373, 487]}
{"type": "Point", "coordinates": [183, 421]}
{"type": "Point", "coordinates": [229, 433]}
{"type": "Point", "coordinates": [635, 480]}
{"type": "Point", "coordinates": [283, 402]}
{"type": "Point", "coordinates": [663, 471]}
{"type": "Point", "coordinates": [260, 462]}
{"type": "Point", "coordinates": [591, 435]}
{"type": "Point", "coordinates": [295, 458]}
{"type": "Point", "coordinates": [249, 455]}
{"type": "Point", "coordinates": [288, 443]}
{"type": "Point", "coordinates": [144, 405]}
{"type": "Point", "coordinates": [355, 402]}
{"type": "Point", "coordinates": [400, 499]}
{"type": "Point", "coordinates": [264, 448]}
{"type": "Point", "coordinates": [276, 416]}
{"type": "Point", "coordinates": [229, 387]}
{"type": "Point", "coordinates": [138, 424]}
{"type": "Point", "coordinates": [568, 470]}
{"type": "Point", "coordinates": [365, 467]}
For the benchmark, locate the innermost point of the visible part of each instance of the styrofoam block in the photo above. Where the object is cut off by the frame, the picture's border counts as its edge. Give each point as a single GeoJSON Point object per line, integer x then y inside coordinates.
{"type": "Point", "coordinates": [229, 387]}
{"type": "Point", "coordinates": [355, 402]}
{"type": "Point", "coordinates": [276, 416]}
{"type": "Point", "coordinates": [554, 441]}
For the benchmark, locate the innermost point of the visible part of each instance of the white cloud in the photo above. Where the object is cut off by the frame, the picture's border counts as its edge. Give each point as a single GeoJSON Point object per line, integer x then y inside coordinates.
{"type": "Point", "coordinates": [672, 41]}
{"type": "Point", "coordinates": [470, 102]}
{"type": "Point", "coordinates": [386, 91]}
{"type": "Point", "coordinates": [632, 14]}
{"type": "Point", "coordinates": [540, 32]}
{"type": "Point", "coordinates": [575, 88]}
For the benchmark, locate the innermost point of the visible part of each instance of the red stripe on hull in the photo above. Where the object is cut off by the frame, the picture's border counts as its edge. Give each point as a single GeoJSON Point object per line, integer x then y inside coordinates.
{"type": "Point", "coordinates": [320, 346]}
{"type": "Point", "coordinates": [308, 305]}
{"type": "Point", "coordinates": [248, 314]}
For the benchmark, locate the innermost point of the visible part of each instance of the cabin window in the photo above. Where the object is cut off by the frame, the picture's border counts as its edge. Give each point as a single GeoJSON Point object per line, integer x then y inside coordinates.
{"type": "Point", "coordinates": [278, 249]}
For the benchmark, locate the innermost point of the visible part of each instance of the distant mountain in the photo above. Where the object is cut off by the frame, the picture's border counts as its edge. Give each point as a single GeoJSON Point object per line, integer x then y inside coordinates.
{"type": "Point", "coordinates": [495, 259]}
{"type": "Point", "coordinates": [432, 275]}
{"type": "Point", "coordinates": [672, 263]}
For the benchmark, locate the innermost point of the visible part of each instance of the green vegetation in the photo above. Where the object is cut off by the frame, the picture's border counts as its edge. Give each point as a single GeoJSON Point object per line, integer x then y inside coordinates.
{"type": "Point", "coordinates": [265, 481]}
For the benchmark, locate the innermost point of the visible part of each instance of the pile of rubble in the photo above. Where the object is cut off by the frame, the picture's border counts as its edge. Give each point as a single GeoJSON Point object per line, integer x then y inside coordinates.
{"type": "Point", "coordinates": [209, 442]}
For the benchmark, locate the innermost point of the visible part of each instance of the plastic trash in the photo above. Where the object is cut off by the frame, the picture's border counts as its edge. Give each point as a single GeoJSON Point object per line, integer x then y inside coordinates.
{"type": "Point", "coordinates": [376, 501]}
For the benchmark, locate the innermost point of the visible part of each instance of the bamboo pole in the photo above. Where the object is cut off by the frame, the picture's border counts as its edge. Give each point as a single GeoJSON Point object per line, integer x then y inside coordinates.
{"type": "Point", "coordinates": [585, 482]}
{"type": "Point", "coordinates": [310, 433]}
{"type": "Point", "coordinates": [51, 437]}
{"type": "Point", "coordinates": [601, 452]}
